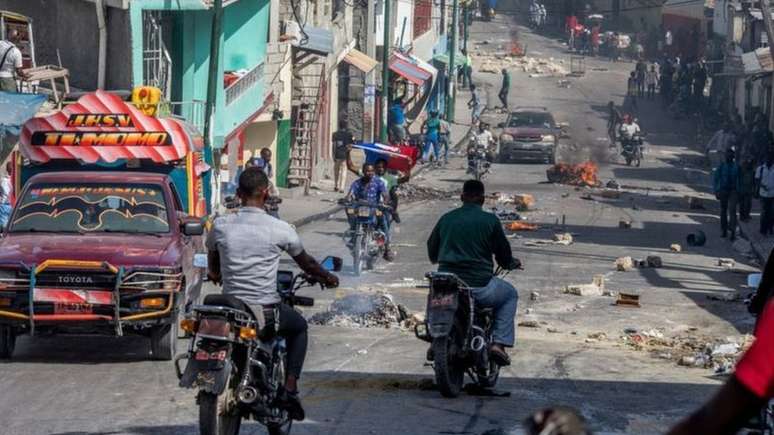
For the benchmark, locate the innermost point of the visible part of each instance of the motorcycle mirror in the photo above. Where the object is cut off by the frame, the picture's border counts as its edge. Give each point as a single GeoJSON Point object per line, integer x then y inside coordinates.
{"type": "Point", "coordinates": [332, 264]}
{"type": "Point", "coordinates": [200, 261]}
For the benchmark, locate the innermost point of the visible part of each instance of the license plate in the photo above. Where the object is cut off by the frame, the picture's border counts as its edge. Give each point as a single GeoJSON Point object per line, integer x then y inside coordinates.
{"type": "Point", "coordinates": [73, 308]}
{"type": "Point", "coordinates": [442, 301]}
{"type": "Point", "coordinates": [202, 355]}
{"type": "Point", "coordinates": [364, 212]}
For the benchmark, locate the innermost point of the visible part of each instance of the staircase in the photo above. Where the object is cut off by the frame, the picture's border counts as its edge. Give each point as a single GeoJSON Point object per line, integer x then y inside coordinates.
{"type": "Point", "coordinates": [308, 105]}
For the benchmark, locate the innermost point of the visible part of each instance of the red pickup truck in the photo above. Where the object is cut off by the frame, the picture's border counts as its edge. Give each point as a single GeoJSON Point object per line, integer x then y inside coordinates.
{"type": "Point", "coordinates": [98, 252]}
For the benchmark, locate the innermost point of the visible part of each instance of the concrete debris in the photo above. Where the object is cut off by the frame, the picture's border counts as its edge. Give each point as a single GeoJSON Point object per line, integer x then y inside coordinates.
{"type": "Point", "coordinates": [553, 330]}
{"type": "Point", "coordinates": [563, 84]}
{"type": "Point", "coordinates": [529, 324]}
{"type": "Point", "coordinates": [675, 248]}
{"type": "Point", "coordinates": [610, 293]}
{"type": "Point", "coordinates": [563, 239]}
{"type": "Point", "coordinates": [414, 320]}
{"type": "Point", "coordinates": [372, 310]}
{"type": "Point", "coordinates": [611, 194]}
{"type": "Point", "coordinates": [415, 192]}
{"type": "Point", "coordinates": [612, 184]}
{"type": "Point", "coordinates": [725, 297]}
{"type": "Point", "coordinates": [362, 352]}
{"type": "Point", "coordinates": [624, 225]}
{"type": "Point", "coordinates": [534, 67]}
{"type": "Point", "coordinates": [727, 263]}
{"type": "Point", "coordinates": [654, 261]}
{"type": "Point", "coordinates": [534, 296]}
{"type": "Point", "coordinates": [597, 336]}
{"type": "Point", "coordinates": [690, 350]}
{"type": "Point", "coordinates": [624, 264]}
{"type": "Point", "coordinates": [628, 300]}
{"type": "Point", "coordinates": [596, 288]}
{"type": "Point", "coordinates": [528, 311]}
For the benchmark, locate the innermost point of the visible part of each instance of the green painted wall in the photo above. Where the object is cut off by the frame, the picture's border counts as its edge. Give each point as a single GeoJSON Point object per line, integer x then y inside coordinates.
{"type": "Point", "coordinates": [283, 152]}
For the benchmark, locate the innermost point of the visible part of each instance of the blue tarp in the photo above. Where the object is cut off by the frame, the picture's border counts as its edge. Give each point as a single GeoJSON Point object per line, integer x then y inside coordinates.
{"type": "Point", "coordinates": [15, 110]}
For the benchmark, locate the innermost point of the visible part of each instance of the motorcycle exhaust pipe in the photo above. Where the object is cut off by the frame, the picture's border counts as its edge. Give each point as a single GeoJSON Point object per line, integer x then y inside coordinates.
{"type": "Point", "coordinates": [247, 394]}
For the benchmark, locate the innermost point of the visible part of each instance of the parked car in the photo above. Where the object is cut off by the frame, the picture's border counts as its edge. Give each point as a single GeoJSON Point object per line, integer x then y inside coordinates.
{"type": "Point", "coordinates": [529, 133]}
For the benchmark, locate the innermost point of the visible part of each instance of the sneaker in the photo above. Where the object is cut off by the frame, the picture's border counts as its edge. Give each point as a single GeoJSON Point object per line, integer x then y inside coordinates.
{"type": "Point", "coordinates": [292, 404]}
{"type": "Point", "coordinates": [396, 217]}
{"type": "Point", "coordinates": [389, 256]}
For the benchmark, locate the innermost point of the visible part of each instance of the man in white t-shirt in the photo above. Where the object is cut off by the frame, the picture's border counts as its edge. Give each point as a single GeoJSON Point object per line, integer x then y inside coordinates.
{"type": "Point", "coordinates": [764, 175]}
{"type": "Point", "coordinates": [10, 62]}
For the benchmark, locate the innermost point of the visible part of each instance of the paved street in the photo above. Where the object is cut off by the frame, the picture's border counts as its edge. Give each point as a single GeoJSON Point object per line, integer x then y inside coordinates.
{"type": "Point", "coordinates": [373, 381]}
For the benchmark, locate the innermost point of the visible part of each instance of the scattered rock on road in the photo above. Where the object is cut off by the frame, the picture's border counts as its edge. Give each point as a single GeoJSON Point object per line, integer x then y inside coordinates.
{"type": "Point", "coordinates": [624, 225]}
{"type": "Point", "coordinates": [675, 247]}
{"type": "Point", "coordinates": [563, 239]}
{"type": "Point", "coordinates": [360, 310]}
{"type": "Point", "coordinates": [728, 263]}
{"type": "Point", "coordinates": [529, 324]}
{"type": "Point", "coordinates": [653, 261]}
{"type": "Point", "coordinates": [624, 264]}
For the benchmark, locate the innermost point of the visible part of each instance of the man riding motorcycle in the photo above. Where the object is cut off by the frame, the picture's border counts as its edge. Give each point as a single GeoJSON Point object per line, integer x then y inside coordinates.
{"type": "Point", "coordinates": [483, 138]}
{"type": "Point", "coordinates": [244, 250]}
{"type": "Point", "coordinates": [463, 242]}
{"type": "Point", "coordinates": [629, 129]}
{"type": "Point", "coordinates": [373, 190]}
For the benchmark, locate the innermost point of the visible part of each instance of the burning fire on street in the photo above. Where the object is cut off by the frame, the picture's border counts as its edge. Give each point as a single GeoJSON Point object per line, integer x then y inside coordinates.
{"type": "Point", "coordinates": [582, 174]}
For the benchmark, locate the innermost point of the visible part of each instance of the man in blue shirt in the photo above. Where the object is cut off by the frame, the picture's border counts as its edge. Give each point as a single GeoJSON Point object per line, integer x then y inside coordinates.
{"type": "Point", "coordinates": [397, 121]}
{"type": "Point", "coordinates": [726, 185]}
{"type": "Point", "coordinates": [373, 190]}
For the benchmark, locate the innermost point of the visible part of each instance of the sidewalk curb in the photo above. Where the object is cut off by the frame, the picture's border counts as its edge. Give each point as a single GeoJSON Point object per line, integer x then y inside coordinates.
{"type": "Point", "coordinates": [755, 247]}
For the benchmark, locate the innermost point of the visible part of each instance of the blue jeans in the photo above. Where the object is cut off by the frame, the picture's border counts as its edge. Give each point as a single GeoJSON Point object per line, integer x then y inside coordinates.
{"type": "Point", "coordinates": [431, 145]}
{"type": "Point", "coordinates": [5, 214]}
{"type": "Point", "coordinates": [503, 298]}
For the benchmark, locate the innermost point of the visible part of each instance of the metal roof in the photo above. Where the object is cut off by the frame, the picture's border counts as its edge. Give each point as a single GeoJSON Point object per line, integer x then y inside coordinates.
{"type": "Point", "coordinates": [407, 68]}
{"type": "Point", "coordinates": [360, 60]}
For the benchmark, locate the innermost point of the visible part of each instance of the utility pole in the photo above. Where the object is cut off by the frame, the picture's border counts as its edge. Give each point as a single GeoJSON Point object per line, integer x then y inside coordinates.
{"type": "Point", "coordinates": [370, 79]}
{"type": "Point", "coordinates": [770, 36]}
{"type": "Point", "coordinates": [386, 71]}
{"type": "Point", "coordinates": [213, 79]}
{"type": "Point", "coordinates": [451, 92]}
{"type": "Point", "coordinates": [465, 12]}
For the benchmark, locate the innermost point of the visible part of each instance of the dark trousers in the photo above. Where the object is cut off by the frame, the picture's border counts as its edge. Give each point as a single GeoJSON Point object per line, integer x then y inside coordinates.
{"type": "Point", "coordinates": [728, 205]}
{"type": "Point", "coordinates": [641, 87]}
{"type": "Point", "coordinates": [651, 91]}
{"type": "Point", "coordinates": [503, 95]}
{"type": "Point", "coordinates": [745, 206]}
{"type": "Point", "coordinates": [767, 220]}
{"type": "Point", "coordinates": [293, 328]}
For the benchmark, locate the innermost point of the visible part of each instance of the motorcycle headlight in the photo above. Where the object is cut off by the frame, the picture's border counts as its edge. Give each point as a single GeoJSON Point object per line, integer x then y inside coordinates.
{"type": "Point", "coordinates": [549, 138]}
{"type": "Point", "coordinates": [506, 138]}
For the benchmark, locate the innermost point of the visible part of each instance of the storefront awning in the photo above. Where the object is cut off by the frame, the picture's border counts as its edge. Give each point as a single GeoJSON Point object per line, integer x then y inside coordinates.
{"type": "Point", "coordinates": [459, 59]}
{"type": "Point", "coordinates": [317, 39]}
{"type": "Point", "coordinates": [360, 60]}
{"type": "Point", "coordinates": [407, 68]}
{"type": "Point", "coordinates": [101, 127]}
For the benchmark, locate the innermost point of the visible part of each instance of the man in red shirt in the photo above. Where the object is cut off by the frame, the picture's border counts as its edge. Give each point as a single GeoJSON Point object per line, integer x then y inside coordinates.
{"type": "Point", "coordinates": [751, 386]}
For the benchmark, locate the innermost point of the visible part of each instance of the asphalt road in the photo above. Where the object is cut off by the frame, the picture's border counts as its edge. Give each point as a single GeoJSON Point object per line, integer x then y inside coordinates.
{"type": "Point", "coordinates": [373, 381]}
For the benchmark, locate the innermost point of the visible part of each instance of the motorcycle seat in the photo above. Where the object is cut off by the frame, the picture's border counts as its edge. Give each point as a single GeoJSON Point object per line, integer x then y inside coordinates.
{"type": "Point", "coordinates": [231, 302]}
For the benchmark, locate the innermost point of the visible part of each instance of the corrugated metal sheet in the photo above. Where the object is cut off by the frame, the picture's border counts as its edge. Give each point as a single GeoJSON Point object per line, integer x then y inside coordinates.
{"type": "Point", "coordinates": [360, 60]}
{"type": "Point", "coordinates": [406, 68]}
{"type": "Point", "coordinates": [318, 39]}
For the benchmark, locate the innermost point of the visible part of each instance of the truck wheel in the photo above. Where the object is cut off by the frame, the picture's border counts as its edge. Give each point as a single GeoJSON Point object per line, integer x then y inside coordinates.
{"type": "Point", "coordinates": [164, 341]}
{"type": "Point", "coordinates": [7, 341]}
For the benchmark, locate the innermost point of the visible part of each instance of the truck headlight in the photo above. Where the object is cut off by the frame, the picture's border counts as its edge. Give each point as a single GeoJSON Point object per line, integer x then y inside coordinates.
{"type": "Point", "coordinates": [549, 138]}
{"type": "Point", "coordinates": [506, 138]}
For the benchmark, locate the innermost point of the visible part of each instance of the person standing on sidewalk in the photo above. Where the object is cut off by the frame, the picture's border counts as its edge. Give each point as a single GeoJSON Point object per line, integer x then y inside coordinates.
{"type": "Point", "coordinates": [641, 69]}
{"type": "Point", "coordinates": [746, 188]}
{"type": "Point", "coordinates": [431, 128]}
{"type": "Point", "coordinates": [726, 187]}
{"type": "Point", "coordinates": [765, 178]}
{"type": "Point", "coordinates": [474, 104]}
{"type": "Point", "coordinates": [505, 88]}
{"type": "Point", "coordinates": [651, 80]}
{"type": "Point", "coordinates": [445, 138]}
{"type": "Point", "coordinates": [10, 62]}
{"type": "Point", "coordinates": [342, 145]}
{"type": "Point", "coordinates": [467, 70]}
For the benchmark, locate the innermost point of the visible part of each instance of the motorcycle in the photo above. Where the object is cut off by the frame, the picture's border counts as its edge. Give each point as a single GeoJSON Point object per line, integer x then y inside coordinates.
{"type": "Point", "coordinates": [460, 334]}
{"type": "Point", "coordinates": [478, 161]}
{"type": "Point", "coordinates": [367, 241]}
{"type": "Point", "coordinates": [631, 149]}
{"type": "Point", "coordinates": [237, 359]}
{"type": "Point", "coordinates": [271, 205]}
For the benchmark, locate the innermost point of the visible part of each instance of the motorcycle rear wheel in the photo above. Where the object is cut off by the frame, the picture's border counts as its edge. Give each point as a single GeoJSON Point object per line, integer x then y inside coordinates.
{"type": "Point", "coordinates": [449, 374]}
{"type": "Point", "coordinates": [213, 419]}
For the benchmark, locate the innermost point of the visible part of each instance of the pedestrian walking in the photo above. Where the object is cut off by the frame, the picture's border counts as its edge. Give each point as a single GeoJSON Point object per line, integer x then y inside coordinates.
{"type": "Point", "coordinates": [474, 104]}
{"type": "Point", "coordinates": [746, 189]}
{"type": "Point", "coordinates": [699, 82]}
{"type": "Point", "coordinates": [445, 138]}
{"type": "Point", "coordinates": [726, 183]}
{"type": "Point", "coordinates": [764, 176]}
{"type": "Point", "coordinates": [342, 145]}
{"type": "Point", "coordinates": [6, 190]}
{"type": "Point", "coordinates": [432, 131]}
{"type": "Point", "coordinates": [10, 62]}
{"type": "Point", "coordinates": [397, 121]}
{"type": "Point", "coordinates": [641, 70]}
{"type": "Point", "coordinates": [467, 70]}
{"type": "Point", "coordinates": [505, 88]}
{"type": "Point", "coordinates": [630, 102]}
{"type": "Point", "coordinates": [651, 80]}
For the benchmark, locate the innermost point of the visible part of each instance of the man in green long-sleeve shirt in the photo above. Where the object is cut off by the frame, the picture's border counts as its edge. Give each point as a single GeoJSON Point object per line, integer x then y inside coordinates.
{"type": "Point", "coordinates": [463, 242]}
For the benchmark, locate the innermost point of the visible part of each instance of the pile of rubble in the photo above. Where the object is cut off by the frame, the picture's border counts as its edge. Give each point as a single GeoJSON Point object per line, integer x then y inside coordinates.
{"type": "Point", "coordinates": [371, 310]}
{"type": "Point", "coordinates": [720, 355]}
{"type": "Point", "coordinates": [581, 174]}
{"type": "Point", "coordinates": [414, 192]}
{"type": "Point", "coordinates": [535, 67]}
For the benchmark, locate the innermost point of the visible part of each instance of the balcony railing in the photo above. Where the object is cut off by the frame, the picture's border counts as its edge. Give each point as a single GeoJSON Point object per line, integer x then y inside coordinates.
{"type": "Point", "coordinates": [244, 83]}
{"type": "Point", "coordinates": [190, 111]}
